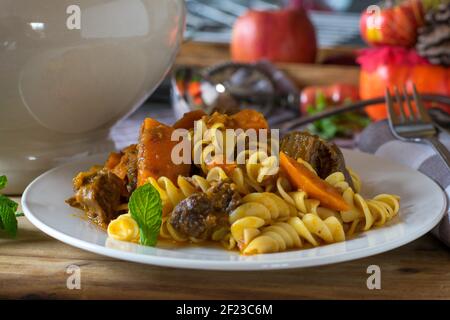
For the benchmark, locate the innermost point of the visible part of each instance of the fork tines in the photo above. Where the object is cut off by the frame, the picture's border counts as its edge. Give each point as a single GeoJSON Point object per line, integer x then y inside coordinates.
{"type": "Point", "coordinates": [406, 113]}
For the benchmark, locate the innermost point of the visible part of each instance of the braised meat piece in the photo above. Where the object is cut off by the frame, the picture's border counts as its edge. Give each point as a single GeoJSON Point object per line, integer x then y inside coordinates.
{"type": "Point", "coordinates": [193, 216]}
{"type": "Point", "coordinates": [244, 119]}
{"type": "Point", "coordinates": [200, 214]}
{"type": "Point", "coordinates": [325, 157]}
{"type": "Point", "coordinates": [223, 197]}
{"type": "Point", "coordinates": [130, 157]}
{"type": "Point", "coordinates": [98, 192]}
{"type": "Point", "coordinates": [124, 165]}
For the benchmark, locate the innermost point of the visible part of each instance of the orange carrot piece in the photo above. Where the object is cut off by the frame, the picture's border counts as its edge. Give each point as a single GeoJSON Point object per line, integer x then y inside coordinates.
{"type": "Point", "coordinates": [121, 169]}
{"type": "Point", "coordinates": [155, 151]}
{"type": "Point", "coordinates": [187, 122]}
{"type": "Point", "coordinates": [249, 119]}
{"type": "Point", "coordinates": [301, 177]}
{"type": "Point", "coordinates": [113, 160]}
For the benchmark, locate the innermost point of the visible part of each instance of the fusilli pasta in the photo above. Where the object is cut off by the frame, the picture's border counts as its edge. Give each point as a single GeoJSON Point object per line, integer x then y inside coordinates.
{"type": "Point", "coordinates": [124, 228]}
{"type": "Point", "coordinates": [285, 235]}
{"type": "Point", "coordinates": [367, 213]}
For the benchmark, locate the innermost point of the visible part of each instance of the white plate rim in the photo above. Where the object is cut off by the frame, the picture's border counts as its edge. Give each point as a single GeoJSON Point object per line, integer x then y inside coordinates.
{"type": "Point", "coordinates": [250, 265]}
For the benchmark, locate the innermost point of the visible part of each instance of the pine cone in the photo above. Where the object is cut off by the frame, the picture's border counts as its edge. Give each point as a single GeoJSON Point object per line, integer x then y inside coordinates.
{"type": "Point", "coordinates": [433, 42]}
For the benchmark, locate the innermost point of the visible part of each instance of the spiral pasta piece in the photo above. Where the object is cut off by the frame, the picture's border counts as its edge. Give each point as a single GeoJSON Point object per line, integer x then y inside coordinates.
{"type": "Point", "coordinates": [124, 228]}
{"type": "Point", "coordinates": [356, 180]}
{"type": "Point", "coordinates": [282, 236]}
{"type": "Point", "coordinates": [260, 166]}
{"type": "Point", "coordinates": [237, 178]}
{"type": "Point", "coordinates": [257, 210]}
{"type": "Point", "coordinates": [278, 237]}
{"type": "Point", "coordinates": [370, 212]}
{"type": "Point", "coordinates": [210, 142]}
{"type": "Point", "coordinates": [266, 205]}
{"type": "Point", "coordinates": [171, 195]}
{"type": "Point", "coordinates": [298, 199]}
{"type": "Point", "coordinates": [245, 229]}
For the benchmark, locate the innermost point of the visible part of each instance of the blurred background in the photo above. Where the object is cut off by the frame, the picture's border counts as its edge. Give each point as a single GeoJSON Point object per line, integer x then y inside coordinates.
{"type": "Point", "coordinates": [336, 21]}
{"type": "Point", "coordinates": [211, 21]}
{"type": "Point", "coordinates": [330, 53]}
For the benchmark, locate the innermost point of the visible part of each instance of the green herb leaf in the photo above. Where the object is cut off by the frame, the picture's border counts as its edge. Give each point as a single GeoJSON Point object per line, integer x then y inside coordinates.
{"type": "Point", "coordinates": [8, 208]}
{"type": "Point", "coordinates": [310, 110]}
{"type": "Point", "coordinates": [321, 101]}
{"type": "Point", "coordinates": [3, 182]}
{"type": "Point", "coordinates": [146, 208]}
{"type": "Point", "coordinates": [338, 125]}
{"type": "Point", "coordinates": [8, 215]}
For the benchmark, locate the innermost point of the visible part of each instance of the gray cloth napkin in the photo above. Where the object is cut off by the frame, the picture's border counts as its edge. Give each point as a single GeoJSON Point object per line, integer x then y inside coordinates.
{"type": "Point", "coordinates": [378, 139]}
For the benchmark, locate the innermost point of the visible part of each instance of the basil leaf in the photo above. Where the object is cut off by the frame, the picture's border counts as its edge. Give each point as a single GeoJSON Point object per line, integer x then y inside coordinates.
{"type": "Point", "coordinates": [146, 208]}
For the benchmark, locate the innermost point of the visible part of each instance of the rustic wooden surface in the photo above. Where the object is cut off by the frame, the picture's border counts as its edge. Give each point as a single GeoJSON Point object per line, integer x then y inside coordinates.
{"type": "Point", "coordinates": [302, 74]}
{"type": "Point", "coordinates": [34, 266]}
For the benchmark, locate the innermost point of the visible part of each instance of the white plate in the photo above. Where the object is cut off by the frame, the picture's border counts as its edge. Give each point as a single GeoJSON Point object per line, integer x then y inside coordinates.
{"type": "Point", "coordinates": [422, 206]}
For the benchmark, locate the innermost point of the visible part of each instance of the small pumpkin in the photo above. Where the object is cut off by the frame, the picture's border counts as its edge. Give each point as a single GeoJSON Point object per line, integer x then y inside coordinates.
{"type": "Point", "coordinates": [387, 67]}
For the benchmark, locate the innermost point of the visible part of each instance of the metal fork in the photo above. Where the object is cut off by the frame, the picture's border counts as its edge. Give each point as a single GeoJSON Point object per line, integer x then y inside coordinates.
{"type": "Point", "coordinates": [413, 125]}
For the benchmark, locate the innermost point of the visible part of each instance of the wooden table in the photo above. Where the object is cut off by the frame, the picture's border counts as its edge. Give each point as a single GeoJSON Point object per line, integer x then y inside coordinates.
{"type": "Point", "coordinates": [34, 265]}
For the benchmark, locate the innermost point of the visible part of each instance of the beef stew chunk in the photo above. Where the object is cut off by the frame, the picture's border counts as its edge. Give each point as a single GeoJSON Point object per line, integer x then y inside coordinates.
{"type": "Point", "coordinates": [224, 197]}
{"type": "Point", "coordinates": [126, 169]}
{"type": "Point", "coordinates": [98, 192]}
{"type": "Point", "coordinates": [325, 157]}
{"type": "Point", "coordinates": [201, 213]}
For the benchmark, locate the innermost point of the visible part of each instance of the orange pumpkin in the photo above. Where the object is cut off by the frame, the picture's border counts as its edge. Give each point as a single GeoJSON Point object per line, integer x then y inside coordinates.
{"type": "Point", "coordinates": [389, 67]}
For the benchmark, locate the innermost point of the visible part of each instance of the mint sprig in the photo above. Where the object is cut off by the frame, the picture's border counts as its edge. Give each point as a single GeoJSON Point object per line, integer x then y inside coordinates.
{"type": "Point", "coordinates": [8, 209]}
{"type": "Point", "coordinates": [146, 208]}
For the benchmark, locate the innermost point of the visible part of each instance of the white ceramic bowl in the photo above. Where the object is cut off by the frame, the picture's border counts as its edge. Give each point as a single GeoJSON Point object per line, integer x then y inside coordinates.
{"type": "Point", "coordinates": [62, 89]}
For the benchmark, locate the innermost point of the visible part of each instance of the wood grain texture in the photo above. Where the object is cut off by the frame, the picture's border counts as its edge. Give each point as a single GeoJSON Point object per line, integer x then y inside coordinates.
{"type": "Point", "coordinates": [204, 54]}
{"type": "Point", "coordinates": [34, 266]}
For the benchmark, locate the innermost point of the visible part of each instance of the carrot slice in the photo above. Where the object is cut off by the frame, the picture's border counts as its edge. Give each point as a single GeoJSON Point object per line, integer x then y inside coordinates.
{"type": "Point", "coordinates": [122, 168]}
{"type": "Point", "coordinates": [113, 160]}
{"type": "Point", "coordinates": [155, 152]}
{"type": "Point", "coordinates": [301, 177]}
{"type": "Point", "coordinates": [187, 122]}
{"type": "Point", "coordinates": [249, 119]}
